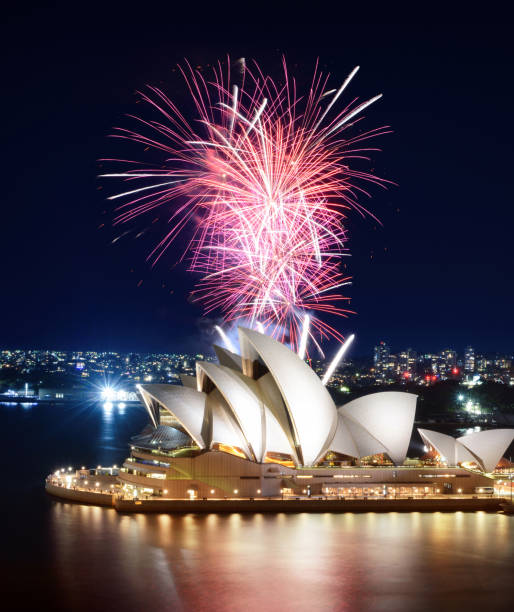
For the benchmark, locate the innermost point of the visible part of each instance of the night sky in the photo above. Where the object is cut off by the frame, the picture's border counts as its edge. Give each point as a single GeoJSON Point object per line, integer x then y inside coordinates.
{"type": "Point", "coordinates": [436, 273]}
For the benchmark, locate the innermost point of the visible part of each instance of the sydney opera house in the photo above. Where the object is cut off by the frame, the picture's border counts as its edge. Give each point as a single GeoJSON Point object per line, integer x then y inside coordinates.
{"type": "Point", "coordinates": [263, 424]}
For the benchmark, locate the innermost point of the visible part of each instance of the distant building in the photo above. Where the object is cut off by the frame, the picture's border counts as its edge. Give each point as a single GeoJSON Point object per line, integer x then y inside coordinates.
{"type": "Point", "coordinates": [407, 363]}
{"type": "Point", "coordinates": [447, 362]}
{"type": "Point", "coordinates": [382, 358]}
{"type": "Point", "coordinates": [55, 394]}
{"type": "Point", "coordinates": [502, 363]}
{"type": "Point", "coordinates": [469, 360]}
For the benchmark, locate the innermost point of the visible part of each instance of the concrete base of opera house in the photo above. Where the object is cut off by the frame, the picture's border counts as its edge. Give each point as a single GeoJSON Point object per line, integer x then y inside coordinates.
{"type": "Point", "coordinates": [223, 506]}
{"type": "Point", "coordinates": [80, 496]}
{"type": "Point", "coordinates": [103, 495]}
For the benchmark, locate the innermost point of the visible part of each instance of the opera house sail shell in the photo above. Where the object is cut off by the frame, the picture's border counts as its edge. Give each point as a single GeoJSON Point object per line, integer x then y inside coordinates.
{"type": "Point", "coordinates": [380, 423]}
{"type": "Point", "coordinates": [269, 402]}
{"type": "Point", "coordinates": [484, 448]}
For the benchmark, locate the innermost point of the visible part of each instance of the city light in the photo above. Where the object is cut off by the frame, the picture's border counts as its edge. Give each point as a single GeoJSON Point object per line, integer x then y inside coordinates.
{"type": "Point", "coordinates": [108, 394]}
{"type": "Point", "coordinates": [128, 371]}
{"type": "Point", "coordinates": [472, 407]}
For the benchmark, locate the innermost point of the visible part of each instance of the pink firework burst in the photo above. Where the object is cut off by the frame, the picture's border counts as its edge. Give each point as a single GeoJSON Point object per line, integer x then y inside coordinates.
{"type": "Point", "coordinates": [264, 177]}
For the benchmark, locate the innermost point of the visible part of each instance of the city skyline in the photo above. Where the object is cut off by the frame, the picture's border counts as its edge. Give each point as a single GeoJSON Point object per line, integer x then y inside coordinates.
{"type": "Point", "coordinates": [381, 367]}
{"type": "Point", "coordinates": [353, 352]}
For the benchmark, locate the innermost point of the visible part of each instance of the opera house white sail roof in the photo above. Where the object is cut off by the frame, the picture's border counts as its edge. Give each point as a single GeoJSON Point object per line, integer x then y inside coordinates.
{"type": "Point", "coordinates": [485, 448]}
{"type": "Point", "coordinates": [268, 400]}
{"type": "Point", "coordinates": [381, 423]}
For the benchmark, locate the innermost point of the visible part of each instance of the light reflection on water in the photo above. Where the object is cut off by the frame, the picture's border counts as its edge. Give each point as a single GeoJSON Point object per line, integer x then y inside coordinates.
{"type": "Point", "coordinates": [72, 557]}
{"type": "Point", "coordinates": [367, 561]}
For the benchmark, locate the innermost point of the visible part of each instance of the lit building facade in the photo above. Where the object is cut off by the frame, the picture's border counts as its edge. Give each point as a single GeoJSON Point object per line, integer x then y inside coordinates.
{"type": "Point", "coordinates": [407, 361]}
{"type": "Point", "coordinates": [469, 360]}
{"type": "Point", "coordinates": [382, 359]}
{"type": "Point", "coordinates": [263, 424]}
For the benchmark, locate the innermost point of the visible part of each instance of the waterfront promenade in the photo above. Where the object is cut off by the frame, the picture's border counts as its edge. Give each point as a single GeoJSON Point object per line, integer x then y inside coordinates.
{"type": "Point", "coordinates": [103, 493]}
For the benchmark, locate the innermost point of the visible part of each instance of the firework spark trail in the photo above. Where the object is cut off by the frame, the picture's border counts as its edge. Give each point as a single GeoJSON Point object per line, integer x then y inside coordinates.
{"type": "Point", "coordinates": [339, 355]}
{"type": "Point", "coordinates": [304, 337]}
{"type": "Point", "coordinates": [263, 177]}
{"type": "Point", "coordinates": [225, 339]}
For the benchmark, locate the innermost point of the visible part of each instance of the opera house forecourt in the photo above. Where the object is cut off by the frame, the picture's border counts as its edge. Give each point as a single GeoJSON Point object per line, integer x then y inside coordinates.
{"type": "Point", "coordinates": [261, 428]}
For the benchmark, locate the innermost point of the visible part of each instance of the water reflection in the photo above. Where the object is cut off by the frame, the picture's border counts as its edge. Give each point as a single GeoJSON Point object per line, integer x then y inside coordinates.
{"type": "Point", "coordinates": [281, 562]}
{"type": "Point", "coordinates": [87, 558]}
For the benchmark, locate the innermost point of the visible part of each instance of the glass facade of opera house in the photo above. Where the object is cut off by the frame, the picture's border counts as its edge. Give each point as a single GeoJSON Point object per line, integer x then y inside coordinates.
{"type": "Point", "coordinates": [262, 424]}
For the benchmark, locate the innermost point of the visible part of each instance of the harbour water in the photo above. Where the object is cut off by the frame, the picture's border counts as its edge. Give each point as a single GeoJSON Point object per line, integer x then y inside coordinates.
{"type": "Point", "coordinates": [71, 557]}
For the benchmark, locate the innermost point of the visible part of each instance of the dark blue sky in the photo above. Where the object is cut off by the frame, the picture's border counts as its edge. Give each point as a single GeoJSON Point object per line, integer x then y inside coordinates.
{"type": "Point", "coordinates": [437, 273]}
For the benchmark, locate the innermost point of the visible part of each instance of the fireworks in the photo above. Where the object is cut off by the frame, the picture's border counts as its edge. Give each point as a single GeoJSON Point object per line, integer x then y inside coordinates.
{"type": "Point", "coordinates": [263, 178]}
